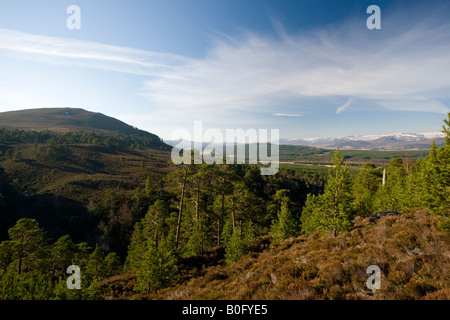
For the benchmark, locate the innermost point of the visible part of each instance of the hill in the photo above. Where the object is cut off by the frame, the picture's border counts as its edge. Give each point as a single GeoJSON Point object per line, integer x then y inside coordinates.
{"type": "Point", "coordinates": [60, 166]}
{"type": "Point", "coordinates": [412, 254]}
{"type": "Point", "coordinates": [64, 120]}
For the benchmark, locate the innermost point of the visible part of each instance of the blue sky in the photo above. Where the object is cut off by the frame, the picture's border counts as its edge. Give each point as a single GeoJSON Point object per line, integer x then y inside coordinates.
{"type": "Point", "coordinates": [308, 68]}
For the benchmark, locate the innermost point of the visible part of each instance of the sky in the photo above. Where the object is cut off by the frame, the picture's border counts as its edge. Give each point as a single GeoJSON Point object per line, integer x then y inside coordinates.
{"type": "Point", "coordinates": [310, 68]}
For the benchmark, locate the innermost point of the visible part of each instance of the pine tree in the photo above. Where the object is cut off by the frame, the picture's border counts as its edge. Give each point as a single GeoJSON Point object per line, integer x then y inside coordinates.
{"type": "Point", "coordinates": [158, 268]}
{"type": "Point", "coordinates": [112, 264]}
{"type": "Point", "coordinates": [6, 255]}
{"type": "Point", "coordinates": [437, 180]}
{"type": "Point", "coordinates": [392, 196]}
{"type": "Point", "coordinates": [137, 248]}
{"type": "Point", "coordinates": [177, 181]}
{"type": "Point", "coordinates": [148, 186]}
{"type": "Point", "coordinates": [95, 268]}
{"type": "Point", "coordinates": [154, 222]}
{"type": "Point", "coordinates": [62, 254]}
{"type": "Point", "coordinates": [310, 219]}
{"type": "Point", "coordinates": [27, 240]}
{"type": "Point", "coordinates": [285, 225]}
{"type": "Point", "coordinates": [248, 235]}
{"type": "Point", "coordinates": [365, 185]}
{"type": "Point", "coordinates": [235, 248]}
{"type": "Point", "coordinates": [227, 231]}
{"type": "Point", "coordinates": [199, 237]}
{"type": "Point", "coordinates": [331, 211]}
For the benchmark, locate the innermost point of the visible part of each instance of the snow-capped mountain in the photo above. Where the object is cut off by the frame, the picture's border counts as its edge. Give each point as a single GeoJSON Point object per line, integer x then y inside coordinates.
{"type": "Point", "coordinates": [395, 141]}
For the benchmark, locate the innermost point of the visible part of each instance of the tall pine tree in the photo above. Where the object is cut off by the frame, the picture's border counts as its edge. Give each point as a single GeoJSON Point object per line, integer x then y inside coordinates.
{"type": "Point", "coordinates": [285, 225]}
{"type": "Point", "coordinates": [331, 212]}
{"type": "Point", "coordinates": [436, 179]}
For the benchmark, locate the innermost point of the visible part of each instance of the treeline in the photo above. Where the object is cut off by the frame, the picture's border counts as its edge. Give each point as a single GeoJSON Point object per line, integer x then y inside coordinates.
{"type": "Point", "coordinates": [117, 140]}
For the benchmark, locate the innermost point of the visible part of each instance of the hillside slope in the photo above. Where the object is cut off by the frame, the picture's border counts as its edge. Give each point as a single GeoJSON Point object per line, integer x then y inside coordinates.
{"type": "Point", "coordinates": [59, 165]}
{"type": "Point", "coordinates": [63, 120]}
{"type": "Point", "coordinates": [413, 255]}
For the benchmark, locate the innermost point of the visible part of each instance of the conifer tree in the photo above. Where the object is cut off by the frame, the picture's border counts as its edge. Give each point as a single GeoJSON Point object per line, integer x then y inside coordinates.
{"type": "Point", "coordinates": [6, 255]}
{"type": "Point", "coordinates": [199, 237]}
{"type": "Point", "coordinates": [228, 229]}
{"type": "Point", "coordinates": [285, 225]}
{"type": "Point", "coordinates": [112, 264]}
{"type": "Point", "coordinates": [365, 185]}
{"type": "Point", "coordinates": [147, 232]}
{"type": "Point", "coordinates": [235, 248]}
{"type": "Point", "coordinates": [62, 254]}
{"type": "Point", "coordinates": [27, 239]}
{"type": "Point", "coordinates": [392, 196]}
{"type": "Point", "coordinates": [248, 234]}
{"type": "Point", "coordinates": [332, 210]}
{"type": "Point", "coordinates": [177, 181]}
{"type": "Point", "coordinates": [437, 179]}
{"type": "Point", "coordinates": [240, 242]}
{"type": "Point", "coordinates": [159, 266]}
{"type": "Point", "coordinates": [95, 267]}
{"type": "Point", "coordinates": [137, 248]}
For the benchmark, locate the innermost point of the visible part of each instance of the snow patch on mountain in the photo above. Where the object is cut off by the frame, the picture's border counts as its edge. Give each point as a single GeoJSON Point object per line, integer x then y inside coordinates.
{"type": "Point", "coordinates": [374, 141]}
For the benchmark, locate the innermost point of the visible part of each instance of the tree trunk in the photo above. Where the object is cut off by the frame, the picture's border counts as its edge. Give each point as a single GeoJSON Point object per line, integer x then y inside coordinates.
{"type": "Point", "coordinates": [222, 213]}
{"type": "Point", "coordinates": [180, 209]}
{"type": "Point", "coordinates": [19, 265]}
{"type": "Point", "coordinates": [197, 205]}
{"type": "Point", "coordinates": [233, 213]}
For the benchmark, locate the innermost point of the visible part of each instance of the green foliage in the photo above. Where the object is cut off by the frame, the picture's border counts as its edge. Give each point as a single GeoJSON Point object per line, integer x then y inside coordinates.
{"type": "Point", "coordinates": [27, 242]}
{"type": "Point", "coordinates": [285, 226]}
{"type": "Point", "coordinates": [331, 211]}
{"type": "Point", "coordinates": [235, 248]}
{"type": "Point", "coordinates": [199, 237]}
{"type": "Point", "coordinates": [227, 231]}
{"type": "Point", "coordinates": [112, 264]}
{"type": "Point", "coordinates": [391, 196]}
{"type": "Point", "coordinates": [240, 242]}
{"type": "Point", "coordinates": [95, 268]}
{"type": "Point", "coordinates": [365, 185]}
{"type": "Point", "coordinates": [137, 248]}
{"type": "Point", "coordinates": [319, 157]}
{"type": "Point", "coordinates": [30, 269]}
{"type": "Point", "coordinates": [62, 253]}
{"type": "Point", "coordinates": [158, 268]}
{"type": "Point", "coordinates": [113, 140]}
{"type": "Point", "coordinates": [147, 232]}
{"type": "Point", "coordinates": [437, 180]}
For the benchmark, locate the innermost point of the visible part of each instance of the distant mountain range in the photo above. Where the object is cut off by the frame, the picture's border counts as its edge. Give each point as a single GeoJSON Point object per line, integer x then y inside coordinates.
{"type": "Point", "coordinates": [395, 141]}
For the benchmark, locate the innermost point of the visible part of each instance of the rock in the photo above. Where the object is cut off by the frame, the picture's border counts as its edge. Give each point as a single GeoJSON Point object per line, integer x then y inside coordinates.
{"type": "Point", "coordinates": [380, 214]}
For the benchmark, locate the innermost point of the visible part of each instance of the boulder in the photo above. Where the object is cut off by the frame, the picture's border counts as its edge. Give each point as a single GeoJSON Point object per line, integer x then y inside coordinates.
{"type": "Point", "coordinates": [380, 214]}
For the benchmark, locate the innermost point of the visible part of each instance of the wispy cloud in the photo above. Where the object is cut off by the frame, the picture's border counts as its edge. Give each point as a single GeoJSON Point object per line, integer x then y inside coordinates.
{"type": "Point", "coordinates": [345, 106]}
{"type": "Point", "coordinates": [286, 115]}
{"type": "Point", "coordinates": [90, 54]}
{"type": "Point", "coordinates": [402, 70]}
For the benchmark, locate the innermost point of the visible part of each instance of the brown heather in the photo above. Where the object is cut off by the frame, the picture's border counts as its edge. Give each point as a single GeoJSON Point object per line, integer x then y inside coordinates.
{"type": "Point", "coordinates": [413, 255]}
